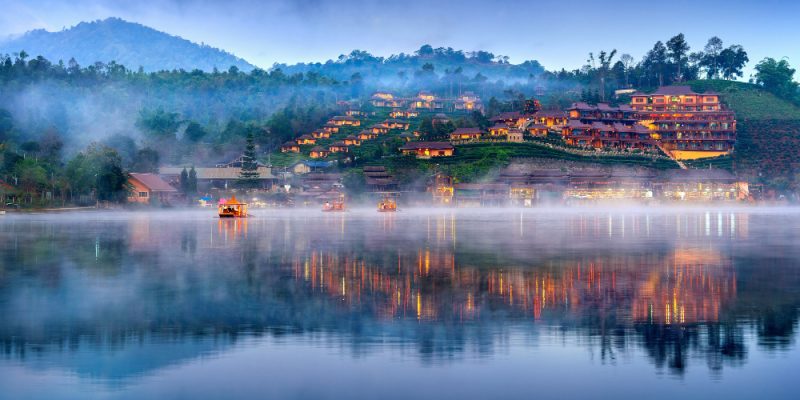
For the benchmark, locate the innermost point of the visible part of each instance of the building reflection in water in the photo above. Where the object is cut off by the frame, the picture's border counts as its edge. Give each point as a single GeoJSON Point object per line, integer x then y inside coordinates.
{"type": "Point", "coordinates": [670, 285]}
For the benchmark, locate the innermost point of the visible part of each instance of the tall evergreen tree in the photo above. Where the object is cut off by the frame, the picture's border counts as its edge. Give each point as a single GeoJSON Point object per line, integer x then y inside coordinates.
{"type": "Point", "coordinates": [184, 181]}
{"type": "Point", "coordinates": [192, 181]}
{"type": "Point", "coordinates": [249, 174]}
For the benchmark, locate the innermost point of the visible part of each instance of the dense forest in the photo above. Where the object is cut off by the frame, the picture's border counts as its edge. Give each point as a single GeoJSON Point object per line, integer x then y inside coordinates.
{"type": "Point", "coordinates": [64, 126]}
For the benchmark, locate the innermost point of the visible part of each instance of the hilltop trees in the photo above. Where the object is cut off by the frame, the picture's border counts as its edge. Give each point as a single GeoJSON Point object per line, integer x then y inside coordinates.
{"type": "Point", "coordinates": [602, 69]}
{"type": "Point", "coordinates": [717, 61]}
{"type": "Point", "coordinates": [777, 77]}
{"type": "Point", "coordinates": [677, 50]}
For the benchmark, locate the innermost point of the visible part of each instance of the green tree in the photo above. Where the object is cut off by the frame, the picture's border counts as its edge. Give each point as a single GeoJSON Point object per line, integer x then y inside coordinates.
{"type": "Point", "coordinates": [31, 176]}
{"type": "Point", "coordinates": [192, 181]}
{"type": "Point", "coordinates": [194, 132]}
{"type": "Point", "coordinates": [602, 67]}
{"type": "Point", "coordinates": [710, 60]}
{"type": "Point", "coordinates": [777, 77]}
{"type": "Point", "coordinates": [146, 160]}
{"type": "Point", "coordinates": [159, 124]}
{"type": "Point", "coordinates": [184, 181]}
{"type": "Point", "coordinates": [248, 177]}
{"type": "Point", "coordinates": [677, 52]}
{"type": "Point", "coordinates": [732, 61]}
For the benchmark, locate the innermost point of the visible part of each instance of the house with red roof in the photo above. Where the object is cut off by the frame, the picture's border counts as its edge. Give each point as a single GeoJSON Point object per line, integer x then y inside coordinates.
{"type": "Point", "coordinates": [146, 186]}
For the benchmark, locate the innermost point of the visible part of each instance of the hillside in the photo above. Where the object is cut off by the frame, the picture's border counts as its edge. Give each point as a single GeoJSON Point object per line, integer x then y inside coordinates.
{"type": "Point", "coordinates": [768, 136]}
{"type": "Point", "coordinates": [749, 101]}
{"type": "Point", "coordinates": [127, 43]}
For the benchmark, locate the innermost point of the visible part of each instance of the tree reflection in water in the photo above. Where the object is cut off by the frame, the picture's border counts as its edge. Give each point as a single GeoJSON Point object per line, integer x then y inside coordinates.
{"type": "Point", "coordinates": [681, 287]}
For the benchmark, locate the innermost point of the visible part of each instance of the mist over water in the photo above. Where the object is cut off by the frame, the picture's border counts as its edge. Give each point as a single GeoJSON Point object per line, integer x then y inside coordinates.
{"type": "Point", "coordinates": [422, 303]}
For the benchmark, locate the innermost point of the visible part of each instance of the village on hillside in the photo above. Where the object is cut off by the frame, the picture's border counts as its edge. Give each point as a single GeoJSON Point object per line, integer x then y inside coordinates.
{"type": "Point", "coordinates": [346, 155]}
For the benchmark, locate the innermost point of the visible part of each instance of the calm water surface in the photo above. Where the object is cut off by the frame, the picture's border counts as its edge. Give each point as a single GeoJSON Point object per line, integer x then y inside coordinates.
{"type": "Point", "coordinates": [431, 304]}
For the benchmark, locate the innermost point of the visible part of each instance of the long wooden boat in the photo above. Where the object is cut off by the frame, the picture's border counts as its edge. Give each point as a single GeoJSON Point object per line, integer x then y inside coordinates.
{"type": "Point", "coordinates": [232, 209]}
{"type": "Point", "coordinates": [333, 206]}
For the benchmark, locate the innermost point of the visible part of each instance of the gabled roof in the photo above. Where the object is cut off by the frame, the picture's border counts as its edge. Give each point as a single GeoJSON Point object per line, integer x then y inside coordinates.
{"type": "Point", "coordinates": [465, 131]}
{"type": "Point", "coordinates": [427, 145]}
{"type": "Point", "coordinates": [576, 124]}
{"type": "Point", "coordinates": [675, 90]}
{"type": "Point", "coordinates": [550, 113]}
{"type": "Point", "coordinates": [506, 115]}
{"type": "Point", "coordinates": [319, 149]}
{"type": "Point", "coordinates": [152, 182]}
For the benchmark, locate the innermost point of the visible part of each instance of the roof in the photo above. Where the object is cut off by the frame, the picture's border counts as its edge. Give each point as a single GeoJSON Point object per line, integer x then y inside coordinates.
{"type": "Point", "coordinates": [537, 126]}
{"type": "Point", "coordinates": [343, 118]}
{"type": "Point", "coordinates": [481, 186]}
{"type": "Point", "coordinates": [676, 90]}
{"type": "Point", "coordinates": [318, 149]}
{"type": "Point", "coordinates": [506, 115]}
{"type": "Point", "coordinates": [427, 145]}
{"type": "Point", "coordinates": [576, 124]}
{"type": "Point", "coordinates": [217, 172]}
{"type": "Point", "coordinates": [153, 182]}
{"type": "Point", "coordinates": [550, 113]}
{"type": "Point", "coordinates": [306, 137]}
{"type": "Point", "coordinates": [694, 175]}
{"type": "Point", "coordinates": [461, 131]}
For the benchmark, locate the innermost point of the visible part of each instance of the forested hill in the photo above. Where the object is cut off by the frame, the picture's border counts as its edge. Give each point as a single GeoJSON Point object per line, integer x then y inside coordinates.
{"type": "Point", "coordinates": [455, 67]}
{"type": "Point", "coordinates": [130, 44]}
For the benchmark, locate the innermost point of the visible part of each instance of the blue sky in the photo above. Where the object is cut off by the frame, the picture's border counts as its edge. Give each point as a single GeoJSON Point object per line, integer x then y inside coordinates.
{"type": "Point", "coordinates": [556, 33]}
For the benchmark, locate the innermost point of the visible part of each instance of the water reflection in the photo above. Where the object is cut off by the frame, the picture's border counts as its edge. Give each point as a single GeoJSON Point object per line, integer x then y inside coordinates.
{"type": "Point", "coordinates": [116, 297]}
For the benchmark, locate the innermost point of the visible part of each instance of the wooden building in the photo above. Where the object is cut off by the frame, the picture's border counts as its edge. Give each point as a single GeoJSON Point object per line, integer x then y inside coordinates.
{"type": "Point", "coordinates": [387, 100]}
{"type": "Point", "coordinates": [428, 149]}
{"type": "Point", "coordinates": [427, 101]}
{"type": "Point", "coordinates": [466, 134]}
{"type": "Point", "coordinates": [352, 140]}
{"type": "Point", "coordinates": [147, 188]}
{"type": "Point", "coordinates": [404, 114]}
{"type": "Point", "coordinates": [395, 123]}
{"type": "Point", "coordinates": [468, 102]}
{"type": "Point", "coordinates": [321, 134]}
{"type": "Point", "coordinates": [379, 129]}
{"type": "Point", "coordinates": [344, 120]}
{"type": "Point", "coordinates": [688, 124]}
{"type": "Point", "coordinates": [498, 130]}
{"type": "Point", "coordinates": [338, 147]}
{"type": "Point", "coordinates": [290, 147]}
{"type": "Point", "coordinates": [306, 140]}
{"type": "Point", "coordinates": [515, 135]}
{"type": "Point", "coordinates": [319, 152]}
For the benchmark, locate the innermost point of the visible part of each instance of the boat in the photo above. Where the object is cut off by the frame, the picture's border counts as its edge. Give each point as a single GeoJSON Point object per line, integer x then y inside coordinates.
{"type": "Point", "coordinates": [232, 208]}
{"type": "Point", "coordinates": [387, 205]}
{"type": "Point", "coordinates": [334, 205]}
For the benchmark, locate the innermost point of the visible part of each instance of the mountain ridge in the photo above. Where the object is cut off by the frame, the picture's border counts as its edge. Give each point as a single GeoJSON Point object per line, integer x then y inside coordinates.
{"type": "Point", "coordinates": [128, 43]}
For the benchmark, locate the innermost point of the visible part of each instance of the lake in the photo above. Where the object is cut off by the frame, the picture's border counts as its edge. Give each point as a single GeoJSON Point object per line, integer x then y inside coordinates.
{"type": "Point", "coordinates": [437, 303]}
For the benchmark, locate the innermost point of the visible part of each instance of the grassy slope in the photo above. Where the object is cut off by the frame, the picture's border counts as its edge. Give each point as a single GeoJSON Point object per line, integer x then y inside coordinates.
{"type": "Point", "coordinates": [768, 137]}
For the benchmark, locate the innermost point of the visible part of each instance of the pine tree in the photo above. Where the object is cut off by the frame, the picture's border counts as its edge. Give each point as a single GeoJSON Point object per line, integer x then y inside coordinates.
{"type": "Point", "coordinates": [192, 181]}
{"type": "Point", "coordinates": [184, 181]}
{"type": "Point", "coordinates": [248, 177]}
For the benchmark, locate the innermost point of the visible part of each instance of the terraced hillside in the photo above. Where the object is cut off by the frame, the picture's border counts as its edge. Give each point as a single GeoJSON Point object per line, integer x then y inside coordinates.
{"type": "Point", "coordinates": [768, 137]}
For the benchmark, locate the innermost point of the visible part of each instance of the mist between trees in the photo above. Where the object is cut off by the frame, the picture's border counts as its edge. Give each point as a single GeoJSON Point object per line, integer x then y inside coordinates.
{"type": "Point", "coordinates": [69, 132]}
